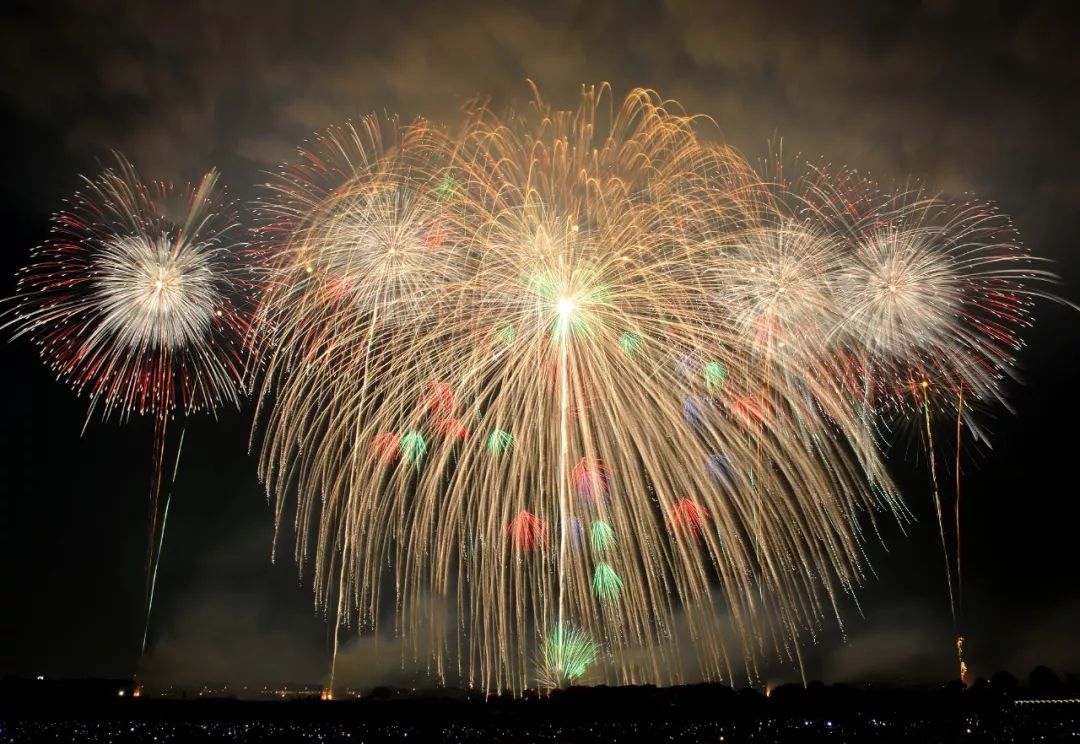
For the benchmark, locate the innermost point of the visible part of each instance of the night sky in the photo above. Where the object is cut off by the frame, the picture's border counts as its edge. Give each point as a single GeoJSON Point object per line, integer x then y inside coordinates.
{"type": "Point", "coordinates": [966, 97]}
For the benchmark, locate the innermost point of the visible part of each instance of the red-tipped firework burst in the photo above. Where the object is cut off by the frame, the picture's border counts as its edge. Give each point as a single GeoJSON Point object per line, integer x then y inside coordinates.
{"type": "Point", "coordinates": [136, 300]}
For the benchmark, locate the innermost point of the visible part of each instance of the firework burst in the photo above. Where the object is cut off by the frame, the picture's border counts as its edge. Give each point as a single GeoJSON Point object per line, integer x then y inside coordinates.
{"type": "Point", "coordinates": [134, 301]}
{"type": "Point", "coordinates": [586, 377]}
{"type": "Point", "coordinates": [567, 655]}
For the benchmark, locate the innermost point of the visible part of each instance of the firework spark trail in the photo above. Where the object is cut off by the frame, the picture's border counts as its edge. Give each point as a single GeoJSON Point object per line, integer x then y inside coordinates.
{"type": "Point", "coordinates": [956, 523]}
{"type": "Point", "coordinates": [451, 321]}
{"type": "Point", "coordinates": [956, 513]}
{"type": "Point", "coordinates": [161, 541]}
{"type": "Point", "coordinates": [565, 309]}
{"type": "Point", "coordinates": [930, 450]}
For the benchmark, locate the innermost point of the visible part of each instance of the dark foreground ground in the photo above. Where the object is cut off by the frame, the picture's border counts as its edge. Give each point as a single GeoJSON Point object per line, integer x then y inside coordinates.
{"type": "Point", "coordinates": [95, 712]}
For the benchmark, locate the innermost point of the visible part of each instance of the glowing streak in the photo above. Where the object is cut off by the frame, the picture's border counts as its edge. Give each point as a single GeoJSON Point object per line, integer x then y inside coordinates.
{"type": "Point", "coordinates": [937, 498]}
{"type": "Point", "coordinates": [956, 516]}
{"type": "Point", "coordinates": [956, 519]}
{"type": "Point", "coordinates": [161, 542]}
{"type": "Point", "coordinates": [527, 532]}
{"type": "Point", "coordinates": [565, 309]}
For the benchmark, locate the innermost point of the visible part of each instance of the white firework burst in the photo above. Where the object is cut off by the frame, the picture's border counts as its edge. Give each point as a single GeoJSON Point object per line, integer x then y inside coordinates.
{"type": "Point", "coordinates": [157, 291]}
{"type": "Point", "coordinates": [138, 297]}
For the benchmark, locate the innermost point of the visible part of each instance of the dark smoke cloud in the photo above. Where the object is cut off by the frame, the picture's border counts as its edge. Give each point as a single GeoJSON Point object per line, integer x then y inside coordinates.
{"type": "Point", "coordinates": [966, 95]}
{"type": "Point", "coordinates": [242, 640]}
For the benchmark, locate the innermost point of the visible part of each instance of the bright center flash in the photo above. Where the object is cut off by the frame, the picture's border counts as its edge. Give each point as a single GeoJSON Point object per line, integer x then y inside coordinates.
{"type": "Point", "coordinates": [565, 307]}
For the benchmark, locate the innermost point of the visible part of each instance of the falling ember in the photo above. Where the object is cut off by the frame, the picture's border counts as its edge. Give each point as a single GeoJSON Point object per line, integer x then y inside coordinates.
{"type": "Point", "coordinates": [606, 583]}
{"type": "Point", "coordinates": [438, 398]}
{"type": "Point", "coordinates": [688, 516]}
{"type": "Point", "coordinates": [601, 537]}
{"type": "Point", "coordinates": [527, 532]}
{"type": "Point", "coordinates": [499, 442]}
{"type": "Point", "coordinates": [693, 413]}
{"type": "Point", "coordinates": [688, 364]}
{"type": "Point", "coordinates": [435, 236]}
{"type": "Point", "coordinates": [505, 334]}
{"type": "Point", "coordinates": [630, 342]}
{"type": "Point", "coordinates": [745, 410]}
{"type": "Point", "coordinates": [413, 448]}
{"type": "Point", "coordinates": [386, 446]}
{"type": "Point", "coordinates": [715, 376]}
{"type": "Point", "coordinates": [447, 187]}
{"type": "Point", "coordinates": [452, 429]}
{"type": "Point", "coordinates": [577, 532]}
{"type": "Point", "coordinates": [718, 467]}
{"type": "Point", "coordinates": [590, 479]}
